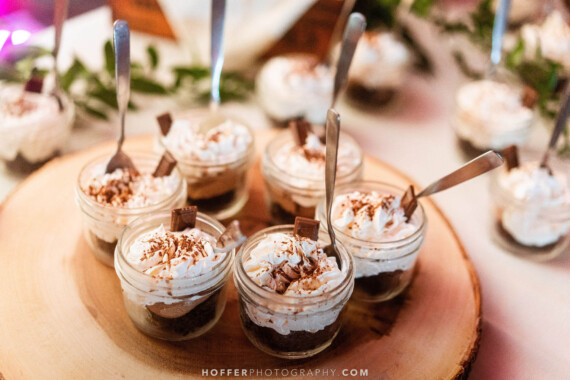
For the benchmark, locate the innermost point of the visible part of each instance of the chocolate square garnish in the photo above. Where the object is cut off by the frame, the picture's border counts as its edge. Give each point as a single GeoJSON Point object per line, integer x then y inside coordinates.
{"type": "Point", "coordinates": [164, 122]}
{"type": "Point", "coordinates": [182, 218]}
{"type": "Point", "coordinates": [511, 156]}
{"type": "Point", "coordinates": [409, 202]}
{"type": "Point", "coordinates": [529, 97]}
{"type": "Point", "coordinates": [300, 129]}
{"type": "Point", "coordinates": [34, 84]}
{"type": "Point", "coordinates": [307, 227]}
{"type": "Point", "coordinates": [165, 165]}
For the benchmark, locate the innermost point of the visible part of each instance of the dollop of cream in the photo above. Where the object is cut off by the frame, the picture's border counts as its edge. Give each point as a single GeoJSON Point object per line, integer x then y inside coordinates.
{"type": "Point", "coordinates": [174, 255]}
{"type": "Point", "coordinates": [380, 60]}
{"type": "Point", "coordinates": [125, 188]}
{"type": "Point", "coordinates": [293, 266]}
{"type": "Point", "coordinates": [32, 124]}
{"type": "Point", "coordinates": [371, 216]}
{"type": "Point", "coordinates": [538, 193]}
{"type": "Point", "coordinates": [552, 38]}
{"type": "Point", "coordinates": [224, 143]}
{"type": "Point", "coordinates": [309, 160]}
{"type": "Point", "coordinates": [295, 86]}
{"type": "Point", "coordinates": [490, 114]}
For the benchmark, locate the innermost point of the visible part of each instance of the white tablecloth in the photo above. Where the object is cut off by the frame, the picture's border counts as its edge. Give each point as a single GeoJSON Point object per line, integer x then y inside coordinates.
{"type": "Point", "coordinates": [526, 305]}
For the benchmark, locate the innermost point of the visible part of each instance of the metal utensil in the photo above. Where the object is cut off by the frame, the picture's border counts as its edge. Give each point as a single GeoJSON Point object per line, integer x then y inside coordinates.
{"type": "Point", "coordinates": [332, 132]}
{"type": "Point", "coordinates": [499, 26]}
{"type": "Point", "coordinates": [354, 28]}
{"type": "Point", "coordinates": [216, 64]}
{"type": "Point", "coordinates": [559, 126]}
{"type": "Point", "coordinates": [121, 39]}
{"type": "Point", "coordinates": [59, 16]}
{"type": "Point", "coordinates": [477, 166]}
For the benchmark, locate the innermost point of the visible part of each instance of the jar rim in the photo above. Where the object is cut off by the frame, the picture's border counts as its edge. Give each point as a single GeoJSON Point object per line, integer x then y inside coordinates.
{"type": "Point", "coordinates": [125, 268]}
{"type": "Point", "coordinates": [140, 155]}
{"type": "Point", "coordinates": [287, 300]}
{"type": "Point", "coordinates": [345, 188]}
{"type": "Point", "coordinates": [285, 136]}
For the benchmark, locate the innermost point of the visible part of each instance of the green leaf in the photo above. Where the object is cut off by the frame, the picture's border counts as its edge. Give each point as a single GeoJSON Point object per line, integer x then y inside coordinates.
{"type": "Point", "coordinates": [109, 58]}
{"type": "Point", "coordinates": [77, 69]}
{"type": "Point", "coordinates": [152, 56]}
{"type": "Point", "coordinates": [92, 111]}
{"type": "Point", "coordinates": [421, 7]}
{"type": "Point", "coordinates": [147, 86]}
{"type": "Point", "coordinates": [465, 68]}
{"type": "Point", "coordinates": [515, 56]}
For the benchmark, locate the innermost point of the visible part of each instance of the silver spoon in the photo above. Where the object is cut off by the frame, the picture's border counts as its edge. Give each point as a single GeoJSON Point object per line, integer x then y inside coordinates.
{"type": "Point", "coordinates": [354, 28]}
{"type": "Point", "coordinates": [477, 166]}
{"type": "Point", "coordinates": [558, 127]}
{"type": "Point", "coordinates": [59, 16]}
{"type": "Point", "coordinates": [332, 132]}
{"type": "Point", "coordinates": [499, 26]}
{"type": "Point", "coordinates": [121, 38]}
{"type": "Point", "coordinates": [217, 62]}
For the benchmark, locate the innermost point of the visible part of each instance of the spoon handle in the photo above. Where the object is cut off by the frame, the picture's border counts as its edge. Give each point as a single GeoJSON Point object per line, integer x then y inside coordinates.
{"type": "Point", "coordinates": [354, 29]}
{"type": "Point", "coordinates": [477, 166]}
{"type": "Point", "coordinates": [217, 50]}
{"type": "Point", "coordinates": [332, 133]}
{"type": "Point", "coordinates": [59, 16]}
{"type": "Point", "coordinates": [499, 26]}
{"type": "Point", "coordinates": [121, 38]}
{"type": "Point", "coordinates": [560, 123]}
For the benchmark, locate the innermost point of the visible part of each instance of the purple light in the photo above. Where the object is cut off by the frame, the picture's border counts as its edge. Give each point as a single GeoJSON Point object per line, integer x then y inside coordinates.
{"type": "Point", "coordinates": [4, 34]}
{"type": "Point", "coordinates": [20, 36]}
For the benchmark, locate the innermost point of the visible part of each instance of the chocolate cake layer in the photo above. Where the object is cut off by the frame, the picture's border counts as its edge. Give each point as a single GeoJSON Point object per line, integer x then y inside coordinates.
{"type": "Point", "coordinates": [377, 285]}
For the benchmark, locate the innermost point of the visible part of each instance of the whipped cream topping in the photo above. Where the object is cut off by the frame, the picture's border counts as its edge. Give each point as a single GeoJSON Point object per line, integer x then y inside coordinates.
{"type": "Point", "coordinates": [126, 188]}
{"type": "Point", "coordinates": [221, 144]}
{"type": "Point", "coordinates": [528, 222]}
{"type": "Point", "coordinates": [309, 160]}
{"type": "Point", "coordinates": [380, 60]}
{"type": "Point", "coordinates": [295, 86]}
{"type": "Point", "coordinates": [293, 266]}
{"type": "Point", "coordinates": [371, 216]}
{"type": "Point", "coordinates": [169, 255]}
{"type": "Point", "coordinates": [552, 38]}
{"type": "Point", "coordinates": [31, 124]}
{"type": "Point", "coordinates": [491, 115]}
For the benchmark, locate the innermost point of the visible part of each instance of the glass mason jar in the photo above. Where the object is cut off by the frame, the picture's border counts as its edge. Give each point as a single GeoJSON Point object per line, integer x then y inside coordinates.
{"type": "Point", "coordinates": [172, 309]}
{"type": "Point", "coordinates": [288, 326]}
{"type": "Point", "coordinates": [383, 269]}
{"type": "Point", "coordinates": [480, 127]}
{"type": "Point", "coordinates": [104, 223]}
{"type": "Point", "coordinates": [533, 230]}
{"type": "Point", "coordinates": [218, 187]}
{"type": "Point", "coordinates": [290, 193]}
{"type": "Point", "coordinates": [32, 128]}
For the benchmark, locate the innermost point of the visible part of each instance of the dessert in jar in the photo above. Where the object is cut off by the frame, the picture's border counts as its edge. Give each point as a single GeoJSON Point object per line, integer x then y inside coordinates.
{"type": "Point", "coordinates": [369, 221]}
{"type": "Point", "coordinates": [291, 295]}
{"type": "Point", "coordinates": [173, 281]}
{"type": "Point", "coordinates": [214, 162]}
{"type": "Point", "coordinates": [294, 86]}
{"type": "Point", "coordinates": [109, 201]}
{"type": "Point", "coordinates": [33, 129]}
{"type": "Point", "coordinates": [491, 115]}
{"type": "Point", "coordinates": [378, 68]}
{"type": "Point", "coordinates": [294, 173]}
{"type": "Point", "coordinates": [531, 206]}
{"type": "Point", "coordinates": [551, 38]}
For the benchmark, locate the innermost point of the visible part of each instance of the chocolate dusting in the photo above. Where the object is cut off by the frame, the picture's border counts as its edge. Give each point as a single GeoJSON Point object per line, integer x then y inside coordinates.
{"type": "Point", "coordinates": [165, 166]}
{"type": "Point", "coordinates": [182, 218]}
{"type": "Point", "coordinates": [511, 156]}
{"type": "Point", "coordinates": [306, 227]}
{"type": "Point", "coordinates": [116, 191]}
{"type": "Point", "coordinates": [300, 129]}
{"type": "Point", "coordinates": [164, 122]}
{"type": "Point", "coordinates": [409, 202]}
{"type": "Point", "coordinates": [284, 274]}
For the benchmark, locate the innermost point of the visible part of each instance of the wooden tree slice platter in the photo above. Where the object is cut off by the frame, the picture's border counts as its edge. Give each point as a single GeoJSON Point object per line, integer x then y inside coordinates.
{"type": "Point", "coordinates": [62, 314]}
